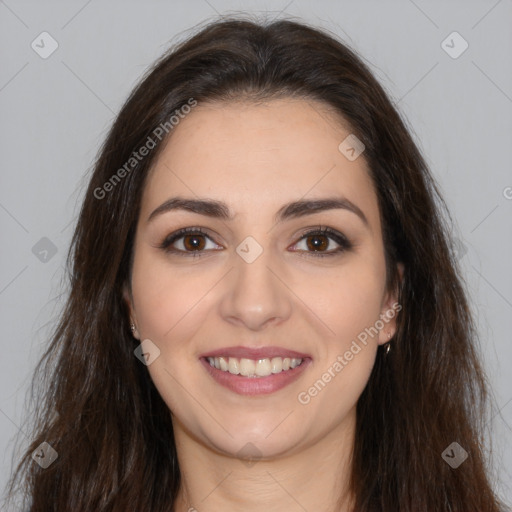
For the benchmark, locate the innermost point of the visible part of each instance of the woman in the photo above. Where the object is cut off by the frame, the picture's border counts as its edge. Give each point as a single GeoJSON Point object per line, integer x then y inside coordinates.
{"type": "Point", "coordinates": [264, 313]}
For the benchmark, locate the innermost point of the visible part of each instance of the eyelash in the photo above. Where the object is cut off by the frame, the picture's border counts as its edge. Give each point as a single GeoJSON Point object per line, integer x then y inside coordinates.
{"type": "Point", "coordinates": [340, 239]}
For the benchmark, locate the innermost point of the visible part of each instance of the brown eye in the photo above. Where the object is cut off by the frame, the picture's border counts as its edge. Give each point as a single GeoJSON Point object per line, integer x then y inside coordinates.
{"type": "Point", "coordinates": [193, 242]}
{"type": "Point", "coordinates": [317, 242]}
{"type": "Point", "coordinates": [188, 242]}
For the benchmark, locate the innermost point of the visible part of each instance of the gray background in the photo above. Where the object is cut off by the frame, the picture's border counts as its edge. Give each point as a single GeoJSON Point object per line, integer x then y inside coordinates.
{"type": "Point", "coordinates": [56, 112]}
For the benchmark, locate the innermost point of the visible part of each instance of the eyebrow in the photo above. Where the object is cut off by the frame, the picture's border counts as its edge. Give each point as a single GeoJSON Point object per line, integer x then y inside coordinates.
{"type": "Point", "coordinates": [295, 209]}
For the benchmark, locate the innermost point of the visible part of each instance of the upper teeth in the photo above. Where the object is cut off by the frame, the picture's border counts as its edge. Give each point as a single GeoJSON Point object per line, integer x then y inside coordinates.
{"type": "Point", "coordinates": [252, 368]}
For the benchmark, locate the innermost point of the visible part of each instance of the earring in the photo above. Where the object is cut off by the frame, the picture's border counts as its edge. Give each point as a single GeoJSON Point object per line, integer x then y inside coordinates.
{"type": "Point", "coordinates": [132, 327]}
{"type": "Point", "coordinates": [388, 344]}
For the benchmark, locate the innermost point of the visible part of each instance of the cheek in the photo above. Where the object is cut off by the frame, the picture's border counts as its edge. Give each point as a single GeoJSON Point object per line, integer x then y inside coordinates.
{"type": "Point", "coordinates": [171, 305]}
{"type": "Point", "coordinates": [351, 300]}
{"type": "Point", "coordinates": [350, 306]}
{"type": "Point", "coordinates": [165, 297]}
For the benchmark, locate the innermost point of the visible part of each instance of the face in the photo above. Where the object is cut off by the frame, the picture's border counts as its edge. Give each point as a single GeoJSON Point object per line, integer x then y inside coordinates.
{"type": "Point", "coordinates": [291, 314]}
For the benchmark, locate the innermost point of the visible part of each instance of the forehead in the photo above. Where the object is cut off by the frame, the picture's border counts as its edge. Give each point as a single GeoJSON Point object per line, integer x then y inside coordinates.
{"type": "Point", "coordinates": [255, 157]}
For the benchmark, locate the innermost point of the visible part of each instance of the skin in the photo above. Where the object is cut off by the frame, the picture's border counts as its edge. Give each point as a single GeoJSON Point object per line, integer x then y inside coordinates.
{"type": "Point", "coordinates": [257, 158]}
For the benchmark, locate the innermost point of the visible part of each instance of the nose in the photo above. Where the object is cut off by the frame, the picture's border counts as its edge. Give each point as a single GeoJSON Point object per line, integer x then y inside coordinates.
{"type": "Point", "coordinates": [255, 293]}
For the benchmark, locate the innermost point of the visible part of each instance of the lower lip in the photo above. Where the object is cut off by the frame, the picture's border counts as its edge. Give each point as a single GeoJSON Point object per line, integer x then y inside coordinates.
{"type": "Point", "coordinates": [256, 385]}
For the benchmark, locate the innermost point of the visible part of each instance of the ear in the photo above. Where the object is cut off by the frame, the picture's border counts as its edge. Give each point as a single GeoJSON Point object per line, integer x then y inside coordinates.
{"type": "Point", "coordinates": [127, 297]}
{"type": "Point", "coordinates": [389, 311]}
{"type": "Point", "coordinates": [132, 319]}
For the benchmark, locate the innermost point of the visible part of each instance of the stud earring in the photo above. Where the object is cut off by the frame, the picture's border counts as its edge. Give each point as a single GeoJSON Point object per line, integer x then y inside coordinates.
{"type": "Point", "coordinates": [132, 327]}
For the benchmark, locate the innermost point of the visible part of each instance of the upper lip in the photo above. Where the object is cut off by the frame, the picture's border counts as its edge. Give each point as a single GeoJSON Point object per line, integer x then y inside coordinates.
{"type": "Point", "coordinates": [254, 353]}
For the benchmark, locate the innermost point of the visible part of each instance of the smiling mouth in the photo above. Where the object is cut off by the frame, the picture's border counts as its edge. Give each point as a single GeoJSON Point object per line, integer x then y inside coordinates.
{"type": "Point", "coordinates": [254, 368]}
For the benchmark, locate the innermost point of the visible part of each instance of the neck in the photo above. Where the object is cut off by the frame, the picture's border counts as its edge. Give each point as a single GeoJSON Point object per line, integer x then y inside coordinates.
{"type": "Point", "coordinates": [314, 478]}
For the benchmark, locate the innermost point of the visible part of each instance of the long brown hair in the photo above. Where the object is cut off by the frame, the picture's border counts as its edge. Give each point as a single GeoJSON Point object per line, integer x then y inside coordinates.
{"type": "Point", "coordinates": [101, 412]}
